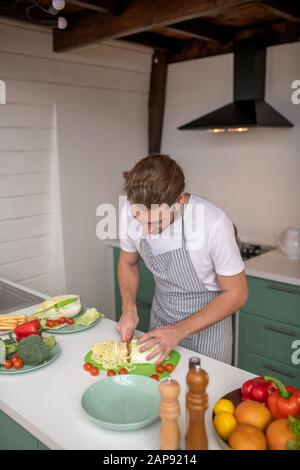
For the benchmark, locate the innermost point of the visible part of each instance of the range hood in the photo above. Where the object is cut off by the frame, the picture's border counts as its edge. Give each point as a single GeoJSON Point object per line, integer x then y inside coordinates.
{"type": "Point", "coordinates": [249, 108]}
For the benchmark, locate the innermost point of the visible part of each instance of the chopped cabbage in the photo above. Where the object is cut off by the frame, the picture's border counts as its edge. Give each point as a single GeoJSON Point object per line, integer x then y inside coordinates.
{"type": "Point", "coordinates": [110, 354]}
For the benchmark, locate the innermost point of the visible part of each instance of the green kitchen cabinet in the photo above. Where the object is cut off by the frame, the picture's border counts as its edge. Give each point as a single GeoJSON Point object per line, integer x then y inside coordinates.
{"type": "Point", "coordinates": [15, 437]}
{"type": "Point", "coordinates": [145, 292]}
{"type": "Point", "coordinates": [269, 326]}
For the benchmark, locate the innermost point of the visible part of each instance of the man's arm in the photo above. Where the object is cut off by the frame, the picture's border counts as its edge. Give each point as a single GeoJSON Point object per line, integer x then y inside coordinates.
{"type": "Point", "coordinates": [234, 296]}
{"type": "Point", "coordinates": [128, 276]}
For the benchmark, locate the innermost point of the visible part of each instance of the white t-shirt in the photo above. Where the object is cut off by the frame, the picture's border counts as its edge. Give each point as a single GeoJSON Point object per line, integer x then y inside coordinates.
{"type": "Point", "coordinates": [209, 236]}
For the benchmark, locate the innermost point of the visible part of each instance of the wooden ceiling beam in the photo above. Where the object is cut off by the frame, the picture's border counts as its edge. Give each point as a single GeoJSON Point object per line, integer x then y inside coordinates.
{"type": "Point", "coordinates": [106, 8]}
{"type": "Point", "coordinates": [289, 12]}
{"type": "Point", "coordinates": [156, 104]}
{"type": "Point", "coordinates": [199, 29]}
{"type": "Point", "coordinates": [17, 13]}
{"type": "Point", "coordinates": [266, 35]}
{"type": "Point", "coordinates": [139, 16]}
{"type": "Point", "coordinates": [155, 41]}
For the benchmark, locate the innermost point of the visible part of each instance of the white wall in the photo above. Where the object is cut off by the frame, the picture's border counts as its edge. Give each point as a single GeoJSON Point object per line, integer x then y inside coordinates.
{"type": "Point", "coordinates": [254, 176]}
{"type": "Point", "coordinates": [98, 95]}
{"type": "Point", "coordinates": [26, 146]}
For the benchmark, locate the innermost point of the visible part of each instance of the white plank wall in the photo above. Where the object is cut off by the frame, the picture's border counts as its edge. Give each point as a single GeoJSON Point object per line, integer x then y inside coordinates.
{"type": "Point", "coordinates": [43, 223]}
{"type": "Point", "coordinates": [26, 136]}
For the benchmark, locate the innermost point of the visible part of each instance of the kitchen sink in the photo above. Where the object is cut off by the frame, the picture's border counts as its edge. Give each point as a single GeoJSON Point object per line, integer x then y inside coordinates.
{"type": "Point", "coordinates": [12, 298]}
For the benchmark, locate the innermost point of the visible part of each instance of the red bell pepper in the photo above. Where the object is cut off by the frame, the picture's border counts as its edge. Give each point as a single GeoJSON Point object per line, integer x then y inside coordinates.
{"type": "Point", "coordinates": [257, 389]}
{"type": "Point", "coordinates": [285, 401]}
{"type": "Point", "coordinates": [294, 390]}
{"type": "Point", "coordinates": [29, 328]}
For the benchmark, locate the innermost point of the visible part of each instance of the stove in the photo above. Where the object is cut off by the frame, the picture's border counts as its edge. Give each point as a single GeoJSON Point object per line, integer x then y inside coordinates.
{"type": "Point", "coordinates": [249, 250]}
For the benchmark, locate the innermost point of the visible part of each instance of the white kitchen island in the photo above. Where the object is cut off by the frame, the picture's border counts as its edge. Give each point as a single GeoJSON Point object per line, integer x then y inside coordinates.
{"type": "Point", "coordinates": [46, 402]}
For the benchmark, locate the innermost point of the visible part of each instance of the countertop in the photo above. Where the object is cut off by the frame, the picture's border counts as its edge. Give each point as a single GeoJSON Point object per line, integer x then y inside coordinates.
{"type": "Point", "coordinates": [274, 266]}
{"type": "Point", "coordinates": [46, 402]}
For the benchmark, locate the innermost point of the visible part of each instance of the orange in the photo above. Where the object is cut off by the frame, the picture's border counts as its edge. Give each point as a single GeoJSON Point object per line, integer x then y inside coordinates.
{"type": "Point", "coordinates": [247, 437]}
{"type": "Point", "coordinates": [252, 412]}
{"type": "Point", "coordinates": [278, 434]}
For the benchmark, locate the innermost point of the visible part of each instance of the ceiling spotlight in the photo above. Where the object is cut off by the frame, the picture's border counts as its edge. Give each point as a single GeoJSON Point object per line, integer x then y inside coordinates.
{"type": "Point", "coordinates": [56, 7]}
{"type": "Point", "coordinates": [60, 22]}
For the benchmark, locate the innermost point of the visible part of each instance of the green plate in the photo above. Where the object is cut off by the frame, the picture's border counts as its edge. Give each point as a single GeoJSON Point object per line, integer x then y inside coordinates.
{"type": "Point", "coordinates": [55, 352]}
{"type": "Point", "coordinates": [122, 402]}
{"type": "Point", "coordinates": [72, 328]}
{"type": "Point", "coordinates": [142, 369]}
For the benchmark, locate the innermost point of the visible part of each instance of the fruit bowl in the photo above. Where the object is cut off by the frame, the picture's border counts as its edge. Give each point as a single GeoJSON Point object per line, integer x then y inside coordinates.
{"type": "Point", "coordinates": [235, 397]}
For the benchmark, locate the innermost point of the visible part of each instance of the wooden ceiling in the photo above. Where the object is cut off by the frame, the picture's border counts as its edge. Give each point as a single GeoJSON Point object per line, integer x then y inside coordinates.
{"type": "Point", "coordinates": [182, 29]}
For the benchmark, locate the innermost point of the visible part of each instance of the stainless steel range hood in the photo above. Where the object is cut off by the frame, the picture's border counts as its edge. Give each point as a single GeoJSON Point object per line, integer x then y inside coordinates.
{"type": "Point", "coordinates": [249, 108]}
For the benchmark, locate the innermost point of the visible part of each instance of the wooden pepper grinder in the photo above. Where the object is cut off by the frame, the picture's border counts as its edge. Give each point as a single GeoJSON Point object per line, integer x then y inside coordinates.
{"type": "Point", "coordinates": [196, 405]}
{"type": "Point", "coordinates": [169, 413]}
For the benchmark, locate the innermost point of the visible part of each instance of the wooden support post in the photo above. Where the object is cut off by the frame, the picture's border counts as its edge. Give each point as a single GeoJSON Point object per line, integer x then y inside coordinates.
{"type": "Point", "coordinates": [157, 100]}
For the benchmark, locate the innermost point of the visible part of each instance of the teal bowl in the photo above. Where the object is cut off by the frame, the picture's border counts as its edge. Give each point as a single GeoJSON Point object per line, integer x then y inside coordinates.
{"type": "Point", "coordinates": [122, 402]}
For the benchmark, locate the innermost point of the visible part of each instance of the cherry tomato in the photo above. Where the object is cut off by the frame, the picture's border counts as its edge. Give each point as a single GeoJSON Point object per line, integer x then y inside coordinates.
{"type": "Point", "coordinates": [18, 364]}
{"type": "Point", "coordinates": [94, 371]}
{"type": "Point", "coordinates": [169, 367]}
{"type": "Point", "coordinates": [160, 368]}
{"type": "Point", "coordinates": [88, 366]}
{"type": "Point", "coordinates": [62, 320]}
{"type": "Point", "coordinates": [70, 321]}
{"type": "Point", "coordinates": [110, 373]}
{"type": "Point", "coordinates": [155, 377]}
{"type": "Point", "coordinates": [14, 358]}
{"type": "Point", "coordinates": [50, 323]}
{"type": "Point", "coordinates": [7, 364]}
{"type": "Point", "coordinates": [123, 371]}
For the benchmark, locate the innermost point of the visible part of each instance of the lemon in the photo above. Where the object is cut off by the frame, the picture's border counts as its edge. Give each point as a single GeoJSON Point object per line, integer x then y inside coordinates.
{"type": "Point", "coordinates": [224, 405]}
{"type": "Point", "coordinates": [224, 423]}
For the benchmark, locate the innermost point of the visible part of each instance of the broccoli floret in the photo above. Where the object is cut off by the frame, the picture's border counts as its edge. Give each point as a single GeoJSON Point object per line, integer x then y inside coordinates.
{"type": "Point", "coordinates": [50, 341]}
{"type": "Point", "coordinates": [33, 350]}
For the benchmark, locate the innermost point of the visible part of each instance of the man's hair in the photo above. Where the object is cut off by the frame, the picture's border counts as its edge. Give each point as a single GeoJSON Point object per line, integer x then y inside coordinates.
{"type": "Point", "coordinates": [156, 179]}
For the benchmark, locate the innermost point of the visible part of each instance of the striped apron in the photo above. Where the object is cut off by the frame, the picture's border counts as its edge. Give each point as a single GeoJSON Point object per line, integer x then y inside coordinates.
{"type": "Point", "coordinates": [179, 293]}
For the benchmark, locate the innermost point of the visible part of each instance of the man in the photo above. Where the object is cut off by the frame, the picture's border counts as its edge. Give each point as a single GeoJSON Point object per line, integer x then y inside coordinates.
{"type": "Point", "coordinates": [189, 245]}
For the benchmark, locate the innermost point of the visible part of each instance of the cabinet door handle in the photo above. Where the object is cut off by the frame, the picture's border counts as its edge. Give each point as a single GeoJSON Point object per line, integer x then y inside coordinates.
{"type": "Point", "coordinates": [287, 290]}
{"type": "Point", "coordinates": [278, 371]}
{"type": "Point", "coordinates": [281, 331]}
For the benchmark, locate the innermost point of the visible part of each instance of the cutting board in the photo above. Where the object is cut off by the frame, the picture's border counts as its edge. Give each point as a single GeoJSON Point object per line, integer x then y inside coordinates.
{"type": "Point", "coordinates": [142, 369]}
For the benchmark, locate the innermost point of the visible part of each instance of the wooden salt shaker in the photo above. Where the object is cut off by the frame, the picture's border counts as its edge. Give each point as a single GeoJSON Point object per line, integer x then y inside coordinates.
{"type": "Point", "coordinates": [196, 405]}
{"type": "Point", "coordinates": [169, 413]}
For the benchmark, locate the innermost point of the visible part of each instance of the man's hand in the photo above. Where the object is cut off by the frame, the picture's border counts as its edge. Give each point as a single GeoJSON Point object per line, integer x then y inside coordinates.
{"type": "Point", "coordinates": [128, 323]}
{"type": "Point", "coordinates": [165, 338]}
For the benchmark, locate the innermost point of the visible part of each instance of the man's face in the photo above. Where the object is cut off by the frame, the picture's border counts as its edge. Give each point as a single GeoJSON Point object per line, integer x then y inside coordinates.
{"type": "Point", "coordinates": [156, 219]}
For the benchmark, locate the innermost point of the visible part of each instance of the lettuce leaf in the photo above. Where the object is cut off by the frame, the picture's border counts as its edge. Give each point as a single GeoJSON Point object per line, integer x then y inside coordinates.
{"type": "Point", "coordinates": [88, 317]}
